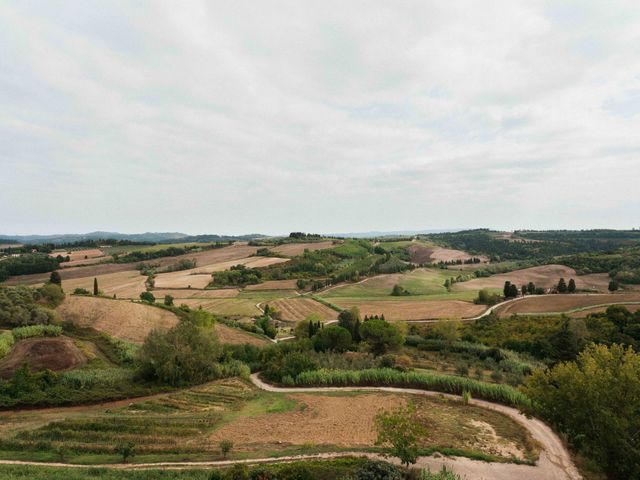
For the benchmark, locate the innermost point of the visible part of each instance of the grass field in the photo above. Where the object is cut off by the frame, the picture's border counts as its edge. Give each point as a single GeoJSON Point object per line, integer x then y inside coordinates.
{"type": "Point", "coordinates": [188, 425]}
{"type": "Point", "coordinates": [421, 281]}
{"type": "Point", "coordinates": [398, 310]}
{"type": "Point", "coordinates": [119, 318]}
{"type": "Point", "coordinates": [224, 306]}
{"type": "Point", "coordinates": [127, 284]}
{"type": "Point", "coordinates": [235, 336]}
{"type": "Point", "coordinates": [124, 249]}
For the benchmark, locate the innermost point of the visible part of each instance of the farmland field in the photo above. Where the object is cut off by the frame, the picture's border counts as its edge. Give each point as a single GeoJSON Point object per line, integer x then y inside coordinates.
{"type": "Point", "coordinates": [293, 249]}
{"type": "Point", "coordinates": [297, 309]}
{"type": "Point", "coordinates": [195, 293]}
{"type": "Point", "coordinates": [234, 336]}
{"type": "Point", "coordinates": [119, 318]}
{"type": "Point", "coordinates": [273, 285]}
{"type": "Point", "coordinates": [398, 310]}
{"type": "Point", "coordinates": [126, 284]}
{"type": "Point", "coordinates": [57, 354]}
{"type": "Point", "coordinates": [545, 276]}
{"type": "Point", "coordinates": [563, 303]}
{"type": "Point", "coordinates": [224, 306]}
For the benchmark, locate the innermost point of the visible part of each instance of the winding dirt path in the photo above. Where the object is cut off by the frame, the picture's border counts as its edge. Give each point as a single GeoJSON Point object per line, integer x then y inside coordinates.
{"type": "Point", "coordinates": [554, 462]}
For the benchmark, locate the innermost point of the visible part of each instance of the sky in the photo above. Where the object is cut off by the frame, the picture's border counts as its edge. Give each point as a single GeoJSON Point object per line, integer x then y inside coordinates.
{"type": "Point", "coordinates": [333, 116]}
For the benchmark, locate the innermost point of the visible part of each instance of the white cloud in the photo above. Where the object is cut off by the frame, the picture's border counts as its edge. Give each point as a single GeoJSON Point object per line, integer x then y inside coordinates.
{"type": "Point", "coordinates": [233, 117]}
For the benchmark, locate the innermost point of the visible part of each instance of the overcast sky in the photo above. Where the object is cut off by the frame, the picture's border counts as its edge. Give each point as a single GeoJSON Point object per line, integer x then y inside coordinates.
{"type": "Point", "coordinates": [261, 116]}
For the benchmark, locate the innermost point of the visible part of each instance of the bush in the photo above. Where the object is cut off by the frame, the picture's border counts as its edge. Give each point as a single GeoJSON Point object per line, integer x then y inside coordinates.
{"type": "Point", "coordinates": [375, 470]}
{"type": "Point", "coordinates": [20, 333]}
{"type": "Point", "coordinates": [51, 294]}
{"type": "Point", "coordinates": [147, 297]}
{"type": "Point", "coordinates": [81, 291]}
{"type": "Point", "coordinates": [332, 338]}
{"type": "Point", "coordinates": [6, 342]}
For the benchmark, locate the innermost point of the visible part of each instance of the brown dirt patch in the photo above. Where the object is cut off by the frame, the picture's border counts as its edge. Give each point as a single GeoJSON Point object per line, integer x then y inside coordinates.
{"type": "Point", "coordinates": [295, 249]}
{"type": "Point", "coordinates": [119, 318]}
{"type": "Point", "coordinates": [196, 293]}
{"type": "Point", "coordinates": [57, 354]}
{"type": "Point", "coordinates": [224, 306]}
{"type": "Point", "coordinates": [319, 420]}
{"type": "Point", "coordinates": [75, 255]}
{"type": "Point", "coordinates": [297, 309]}
{"type": "Point", "coordinates": [420, 253]}
{"type": "Point", "coordinates": [562, 303]}
{"type": "Point", "coordinates": [440, 254]}
{"type": "Point", "coordinates": [127, 284]}
{"type": "Point", "coordinates": [237, 337]}
{"type": "Point", "coordinates": [398, 310]}
{"type": "Point", "coordinates": [274, 285]}
{"type": "Point", "coordinates": [545, 276]}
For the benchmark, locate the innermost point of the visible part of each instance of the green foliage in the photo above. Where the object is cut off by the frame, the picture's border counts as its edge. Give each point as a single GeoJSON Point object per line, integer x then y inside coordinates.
{"type": "Point", "coordinates": [81, 291]}
{"type": "Point", "coordinates": [168, 300]}
{"type": "Point", "coordinates": [595, 400]}
{"type": "Point", "coordinates": [6, 342]}
{"type": "Point", "coordinates": [485, 297]}
{"type": "Point", "coordinates": [427, 381]}
{"type": "Point", "coordinates": [380, 336]}
{"type": "Point", "coordinates": [399, 291]}
{"type": "Point", "coordinates": [55, 278]}
{"type": "Point", "coordinates": [147, 297]}
{"type": "Point", "coordinates": [376, 470]}
{"type": "Point", "coordinates": [50, 294]}
{"type": "Point", "coordinates": [400, 429]}
{"type": "Point", "coordinates": [20, 333]}
{"type": "Point", "coordinates": [125, 450]}
{"type": "Point", "coordinates": [185, 355]}
{"type": "Point", "coordinates": [27, 264]}
{"type": "Point", "coordinates": [332, 338]}
{"type": "Point", "coordinates": [238, 275]}
{"type": "Point", "coordinates": [96, 290]}
{"type": "Point", "coordinates": [444, 474]}
{"type": "Point", "coordinates": [21, 305]}
{"type": "Point", "coordinates": [225, 447]}
{"type": "Point", "coordinates": [181, 265]}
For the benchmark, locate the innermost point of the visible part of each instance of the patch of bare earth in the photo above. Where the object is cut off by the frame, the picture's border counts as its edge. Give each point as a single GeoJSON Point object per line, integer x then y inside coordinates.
{"type": "Point", "coordinates": [118, 318]}
{"type": "Point", "coordinates": [127, 284]}
{"type": "Point", "coordinates": [57, 354]}
{"type": "Point", "coordinates": [545, 276]}
{"type": "Point", "coordinates": [317, 420]}
{"type": "Point", "coordinates": [398, 310]}
{"type": "Point", "coordinates": [440, 254]}
{"type": "Point", "coordinates": [297, 309]}
{"type": "Point", "coordinates": [295, 249]}
{"type": "Point", "coordinates": [237, 337]}
{"type": "Point", "coordinates": [563, 303]}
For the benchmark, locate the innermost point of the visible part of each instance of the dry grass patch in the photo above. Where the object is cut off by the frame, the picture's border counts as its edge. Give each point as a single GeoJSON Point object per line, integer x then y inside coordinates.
{"type": "Point", "coordinates": [398, 310]}
{"type": "Point", "coordinates": [545, 276]}
{"type": "Point", "coordinates": [563, 303]}
{"type": "Point", "coordinates": [57, 354]}
{"type": "Point", "coordinates": [297, 309]}
{"type": "Point", "coordinates": [224, 306]}
{"type": "Point", "coordinates": [127, 284]}
{"type": "Point", "coordinates": [234, 336]}
{"type": "Point", "coordinates": [273, 285]}
{"type": "Point", "coordinates": [119, 318]}
{"type": "Point", "coordinates": [196, 293]}
{"type": "Point", "coordinates": [295, 249]}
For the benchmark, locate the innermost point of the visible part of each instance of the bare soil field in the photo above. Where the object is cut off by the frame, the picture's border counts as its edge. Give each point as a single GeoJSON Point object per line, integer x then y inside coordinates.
{"type": "Point", "coordinates": [57, 354]}
{"type": "Point", "coordinates": [234, 336]}
{"type": "Point", "coordinates": [398, 310]}
{"type": "Point", "coordinates": [297, 309]}
{"type": "Point", "coordinates": [423, 254]}
{"type": "Point", "coordinates": [583, 313]}
{"type": "Point", "coordinates": [118, 318]}
{"type": "Point", "coordinates": [545, 276]}
{"type": "Point", "coordinates": [127, 284]}
{"type": "Point", "coordinates": [563, 303]}
{"type": "Point", "coordinates": [347, 421]}
{"type": "Point", "coordinates": [420, 253]}
{"type": "Point", "coordinates": [224, 306]}
{"type": "Point", "coordinates": [200, 276]}
{"type": "Point", "coordinates": [295, 249]}
{"type": "Point", "coordinates": [273, 285]}
{"type": "Point", "coordinates": [89, 261]}
{"type": "Point", "coordinates": [75, 255]}
{"type": "Point", "coordinates": [71, 273]}
{"type": "Point", "coordinates": [195, 293]}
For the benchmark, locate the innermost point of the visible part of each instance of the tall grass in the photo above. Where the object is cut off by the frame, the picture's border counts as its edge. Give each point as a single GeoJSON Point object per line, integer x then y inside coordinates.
{"type": "Point", "coordinates": [6, 342]}
{"type": "Point", "coordinates": [394, 378]}
{"type": "Point", "coordinates": [81, 379]}
{"type": "Point", "coordinates": [20, 333]}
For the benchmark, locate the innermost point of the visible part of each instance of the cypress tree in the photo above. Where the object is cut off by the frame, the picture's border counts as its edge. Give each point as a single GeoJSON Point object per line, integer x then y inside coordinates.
{"type": "Point", "coordinates": [506, 289]}
{"type": "Point", "coordinates": [572, 286]}
{"type": "Point", "coordinates": [95, 286]}
{"type": "Point", "coordinates": [55, 278]}
{"type": "Point", "coordinates": [562, 286]}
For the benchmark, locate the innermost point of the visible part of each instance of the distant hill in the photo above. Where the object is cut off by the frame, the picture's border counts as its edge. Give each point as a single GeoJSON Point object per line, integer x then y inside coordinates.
{"type": "Point", "coordinates": [398, 233]}
{"type": "Point", "coordinates": [155, 237]}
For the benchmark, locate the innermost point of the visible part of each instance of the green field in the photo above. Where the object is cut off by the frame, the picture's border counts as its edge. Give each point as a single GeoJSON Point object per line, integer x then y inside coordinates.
{"type": "Point", "coordinates": [123, 249]}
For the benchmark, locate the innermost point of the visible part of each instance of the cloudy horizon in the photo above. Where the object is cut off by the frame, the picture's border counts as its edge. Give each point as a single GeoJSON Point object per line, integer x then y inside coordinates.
{"type": "Point", "coordinates": [242, 117]}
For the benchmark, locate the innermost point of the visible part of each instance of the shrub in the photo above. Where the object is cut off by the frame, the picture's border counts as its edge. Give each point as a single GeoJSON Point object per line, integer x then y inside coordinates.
{"type": "Point", "coordinates": [225, 447]}
{"type": "Point", "coordinates": [81, 291]}
{"type": "Point", "coordinates": [20, 333]}
{"type": "Point", "coordinates": [376, 470]}
{"type": "Point", "coordinates": [147, 297]}
{"type": "Point", "coordinates": [6, 342]}
{"type": "Point", "coordinates": [332, 338]}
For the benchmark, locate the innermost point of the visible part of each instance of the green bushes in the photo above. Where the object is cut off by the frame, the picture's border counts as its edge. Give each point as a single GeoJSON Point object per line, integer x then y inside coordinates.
{"type": "Point", "coordinates": [83, 379]}
{"type": "Point", "coordinates": [393, 378]}
{"type": "Point", "coordinates": [20, 306]}
{"type": "Point", "coordinates": [20, 333]}
{"type": "Point", "coordinates": [6, 342]}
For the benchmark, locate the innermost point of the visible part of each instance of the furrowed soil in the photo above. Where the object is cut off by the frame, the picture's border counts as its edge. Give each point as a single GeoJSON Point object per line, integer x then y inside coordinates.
{"type": "Point", "coordinates": [398, 310]}
{"type": "Point", "coordinates": [234, 336]}
{"type": "Point", "coordinates": [545, 276]}
{"type": "Point", "coordinates": [563, 303]}
{"type": "Point", "coordinates": [297, 309]}
{"type": "Point", "coordinates": [57, 354]}
{"type": "Point", "coordinates": [118, 318]}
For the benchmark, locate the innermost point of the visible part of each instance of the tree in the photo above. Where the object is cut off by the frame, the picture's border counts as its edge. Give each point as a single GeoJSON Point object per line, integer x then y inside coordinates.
{"type": "Point", "coordinates": [125, 450]}
{"type": "Point", "coordinates": [52, 294]}
{"type": "Point", "coordinates": [507, 289]}
{"type": "Point", "coordinates": [399, 291]}
{"type": "Point", "coordinates": [55, 278]}
{"type": "Point", "coordinates": [95, 286]}
{"type": "Point", "coordinates": [523, 290]}
{"type": "Point", "coordinates": [400, 429]}
{"type": "Point", "coordinates": [347, 318]}
{"type": "Point", "coordinates": [380, 336]}
{"type": "Point", "coordinates": [308, 327]}
{"type": "Point", "coordinates": [531, 288]}
{"type": "Point", "coordinates": [333, 338]}
{"type": "Point", "coordinates": [184, 355]}
{"type": "Point", "coordinates": [147, 297]}
{"type": "Point", "coordinates": [447, 330]}
{"type": "Point", "coordinates": [225, 447]}
{"type": "Point", "coordinates": [594, 400]}
{"type": "Point", "coordinates": [168, 300]}
{"type": "Point", "coordinates": [571, 288]}
{"type": "Point", "coordinates": [562, 286]}
{"type": "Point", "coordinates": [613, 286]}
